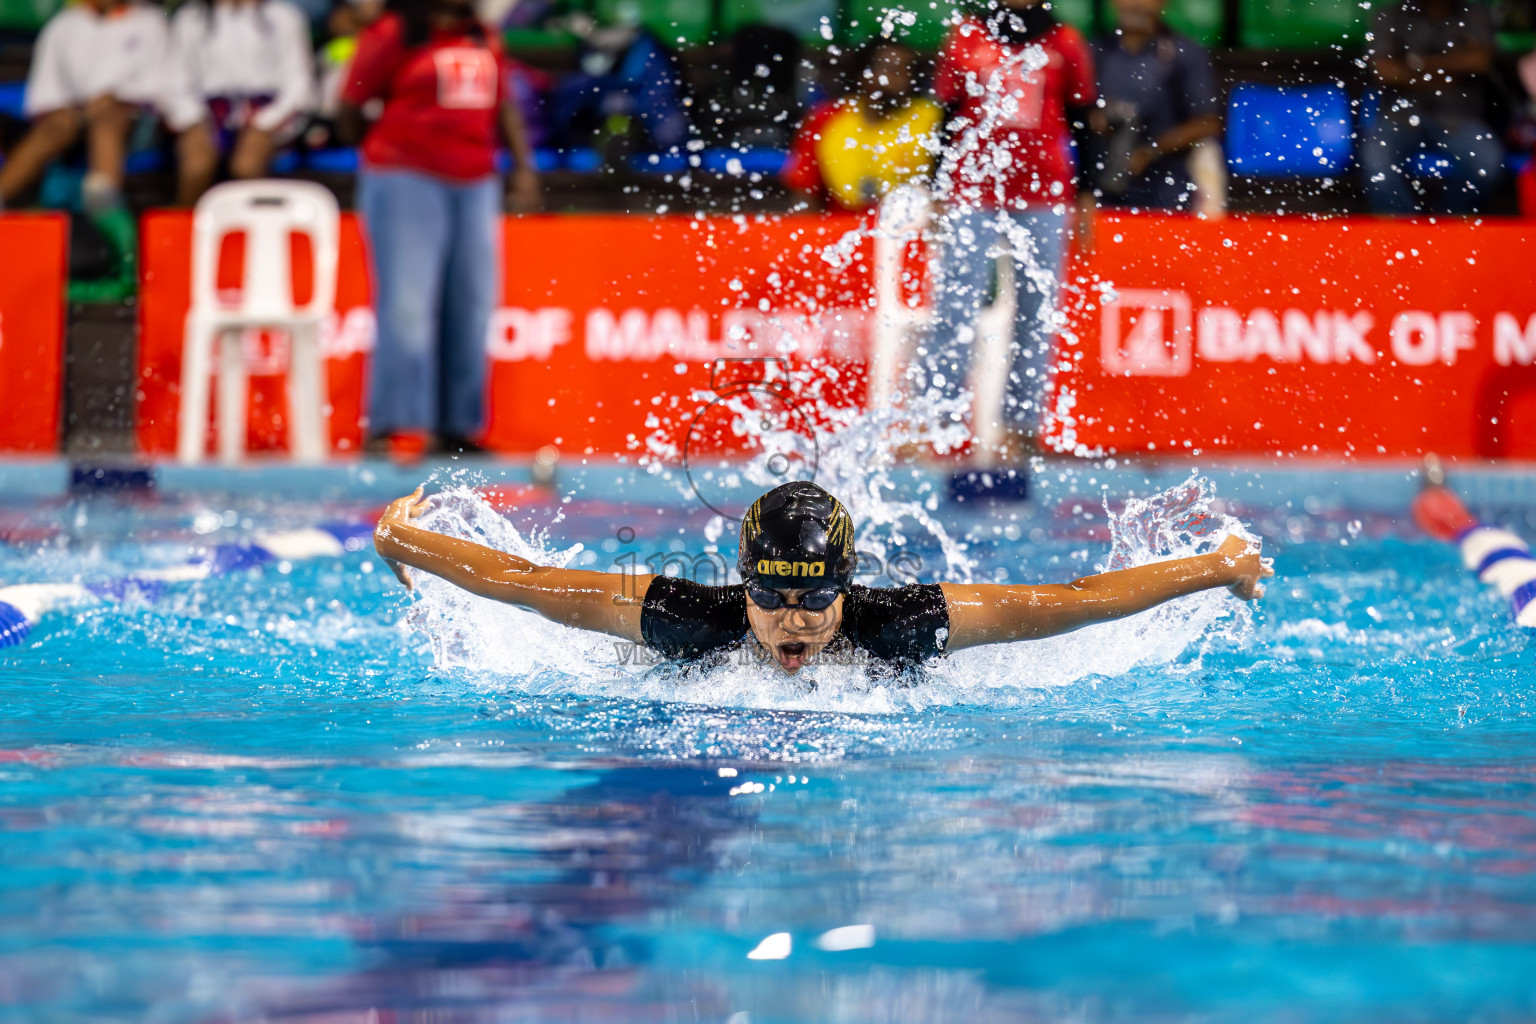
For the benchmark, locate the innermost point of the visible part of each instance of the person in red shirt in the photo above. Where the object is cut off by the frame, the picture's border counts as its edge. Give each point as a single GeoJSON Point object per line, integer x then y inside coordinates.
{"type": "Point", "coordinates": [431, 206]}
{"type": "Point", "coordinates": [1018, 86]}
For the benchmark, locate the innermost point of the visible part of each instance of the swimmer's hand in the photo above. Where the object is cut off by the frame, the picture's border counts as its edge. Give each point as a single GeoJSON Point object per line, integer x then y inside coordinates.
{"type": "Point", "coordinates": [1241, 561]}
{"type": "Point", "coordinates": [399, 513]}
{"type": "Point", "coordinates": [601, 601]}
{"type": "Point", "coordinates": [991, 613]}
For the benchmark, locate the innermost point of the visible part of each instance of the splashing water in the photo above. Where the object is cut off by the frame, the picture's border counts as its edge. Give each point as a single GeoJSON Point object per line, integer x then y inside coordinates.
{"type": "Point", "coordinates": [1169, 524]}
{"type": "Point", "coordinates": [855, 454]}
{"type": "Point", "coordinates": [931, 414]}
{"type": "Point", "coordinates": [859, 466]}
{"type": "Point", "coordinates": [855, 457]}
{"type": "Point", "coordinates": [962, 180]}
{"type": "Point", "coordinates": [471, 632]}
{"type": "Point", "coordinates": [493, 644]}
{"type": "Point", "coordinates": [1176, 523]}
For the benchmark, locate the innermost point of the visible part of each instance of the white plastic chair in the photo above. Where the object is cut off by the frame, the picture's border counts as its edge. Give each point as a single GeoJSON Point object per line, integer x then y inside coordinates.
{"type": "Point", "coordinates": [267, 212]}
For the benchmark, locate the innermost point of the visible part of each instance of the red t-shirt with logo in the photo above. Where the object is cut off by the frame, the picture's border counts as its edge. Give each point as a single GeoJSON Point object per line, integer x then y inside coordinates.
{"type": "Point", "coordinates": [1014, 105]}
{"type": "Point", "coordinates": [440, 100]}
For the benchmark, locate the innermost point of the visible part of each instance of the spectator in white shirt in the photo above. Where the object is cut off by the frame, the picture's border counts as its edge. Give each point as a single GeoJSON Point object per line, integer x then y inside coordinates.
{"type": "Point", "coordinates": [240, 81]}
{"type": "Point", "coordinates": [96, 63]}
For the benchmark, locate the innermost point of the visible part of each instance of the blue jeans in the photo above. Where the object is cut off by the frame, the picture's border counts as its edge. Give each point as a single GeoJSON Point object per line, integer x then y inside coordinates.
{"type": "Point", "coordinates": [964, 282]}
{"type": "Point", "coordinates": [1475, 156]}
{"type": "Point", "coordinates": [435, 252]}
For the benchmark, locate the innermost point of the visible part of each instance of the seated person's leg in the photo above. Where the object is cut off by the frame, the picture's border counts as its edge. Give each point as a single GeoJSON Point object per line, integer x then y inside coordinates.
{"type": "Point", "coordinates": [197, 161]}
{"type": "Point", "coordinates": [1383, 153]}
{"type": "Point", "coordinates": [252, 155]}
{"type": "Point", "coordinates": [50, 135]}
{"type": "Point", "coordinates": [107, 124]}
{"type": "Point", "coordinates": [1479, 163]}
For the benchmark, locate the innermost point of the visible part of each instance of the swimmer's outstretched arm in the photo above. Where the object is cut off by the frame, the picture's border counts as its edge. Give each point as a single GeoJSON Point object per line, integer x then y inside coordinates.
{"type": "Point", "coordinates": [992, 614]}
{"type": "Point", "coordinates": [599, 601]}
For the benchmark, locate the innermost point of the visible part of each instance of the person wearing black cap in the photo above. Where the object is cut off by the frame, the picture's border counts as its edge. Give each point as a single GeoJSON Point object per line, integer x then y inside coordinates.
{"type": "Point", "coordinates": [797, 598]}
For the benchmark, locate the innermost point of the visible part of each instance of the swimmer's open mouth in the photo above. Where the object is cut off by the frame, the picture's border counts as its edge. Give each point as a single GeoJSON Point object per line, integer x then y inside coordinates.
{"type": "Point", "coordinates": [792, 650]}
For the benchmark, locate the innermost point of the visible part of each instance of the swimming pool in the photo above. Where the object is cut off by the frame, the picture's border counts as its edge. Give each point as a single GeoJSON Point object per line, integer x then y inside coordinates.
{"type": "Point", "coordinates": [291, 792]}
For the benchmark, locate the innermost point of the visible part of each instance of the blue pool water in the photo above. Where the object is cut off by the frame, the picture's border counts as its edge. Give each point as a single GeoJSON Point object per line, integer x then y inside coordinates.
{"type": "Point", "coordinates": [295, 793]}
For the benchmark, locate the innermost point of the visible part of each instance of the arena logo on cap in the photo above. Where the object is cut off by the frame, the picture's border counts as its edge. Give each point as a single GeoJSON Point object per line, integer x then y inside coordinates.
{"type": "Point", "coordinates": [779, 567]}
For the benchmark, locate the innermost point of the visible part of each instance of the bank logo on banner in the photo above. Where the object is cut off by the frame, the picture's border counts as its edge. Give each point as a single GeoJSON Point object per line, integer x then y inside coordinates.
{"type": "Point", "coordinates": [1147, 333]}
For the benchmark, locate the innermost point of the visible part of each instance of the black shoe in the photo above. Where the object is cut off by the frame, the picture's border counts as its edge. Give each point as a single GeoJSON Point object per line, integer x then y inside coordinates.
{"type": "Point", "coordinates": [1000, 484]}
{"type": "Point", "coordinates": [456, 444]}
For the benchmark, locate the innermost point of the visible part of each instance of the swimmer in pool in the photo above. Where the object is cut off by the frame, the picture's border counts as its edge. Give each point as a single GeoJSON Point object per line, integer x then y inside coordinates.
{"type": "Point", "coordinates": [797, 597]}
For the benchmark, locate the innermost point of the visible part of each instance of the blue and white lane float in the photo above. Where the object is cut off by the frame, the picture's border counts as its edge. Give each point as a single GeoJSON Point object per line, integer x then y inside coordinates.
{"type": "Point", "coordinates": [1500, 558]}
{"type": "Point", "coordinates": [23, 605]}
{"type": "Point", "coordinates": [1503, 560]}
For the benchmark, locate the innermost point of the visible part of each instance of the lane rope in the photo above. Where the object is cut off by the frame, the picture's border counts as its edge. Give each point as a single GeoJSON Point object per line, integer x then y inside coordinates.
{"type": "Point", "coordinates": [1502, 560]}
{"type": "Point", "coordinates": [23, 605]}
{"type": "Point", "coordinates": [1499, 558]}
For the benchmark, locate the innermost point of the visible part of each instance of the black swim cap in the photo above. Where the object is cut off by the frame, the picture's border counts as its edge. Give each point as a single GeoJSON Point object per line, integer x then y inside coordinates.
{"type": "Point", "coordinates": [797, 536]}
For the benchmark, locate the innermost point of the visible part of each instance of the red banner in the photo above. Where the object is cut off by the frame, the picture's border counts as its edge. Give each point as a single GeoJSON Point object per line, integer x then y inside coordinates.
{"type": "Point", "coordinates": [1363, 337]}
{"type": "Point", "coordinates": [33, 265]}
{"type": "Point", "coordinates": [1253, 335]}
{"type": "Point", "coordinates": [608, 324]}
{"type": "Point", "coordinates": [165, 293]}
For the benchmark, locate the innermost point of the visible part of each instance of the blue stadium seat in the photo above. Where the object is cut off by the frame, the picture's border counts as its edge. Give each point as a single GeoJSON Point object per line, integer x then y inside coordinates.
{"type": "Point", "coordinates": [672, 162]}
{"type": "Point", "coordinates": [1426, 164]}
{"type": "Point", "coordinates": [144, 161]}
{"type": "Point", "coordinates": [285, 162]}
{"type": "Point", "coordinates": [734, 162]}
{"type": "Point", "coordinates": [745, 161]}
{"type": "Point", "coordinates": [13, 96]}
{"type": "Point", "coordinates": [344, 160]}
{"type": "Point", "coordinates": [1289, 131]}
{"type": "Point", "coordinates": [583, 161]}
{"type": "Point", "coordinates": [333, 161]}
{"type": "Point", "coordinates": [544, 160]}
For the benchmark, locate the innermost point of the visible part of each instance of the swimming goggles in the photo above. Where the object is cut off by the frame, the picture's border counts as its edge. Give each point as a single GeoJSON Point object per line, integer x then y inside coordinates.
{"type": "Point", "coordinates": [818, 600]}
